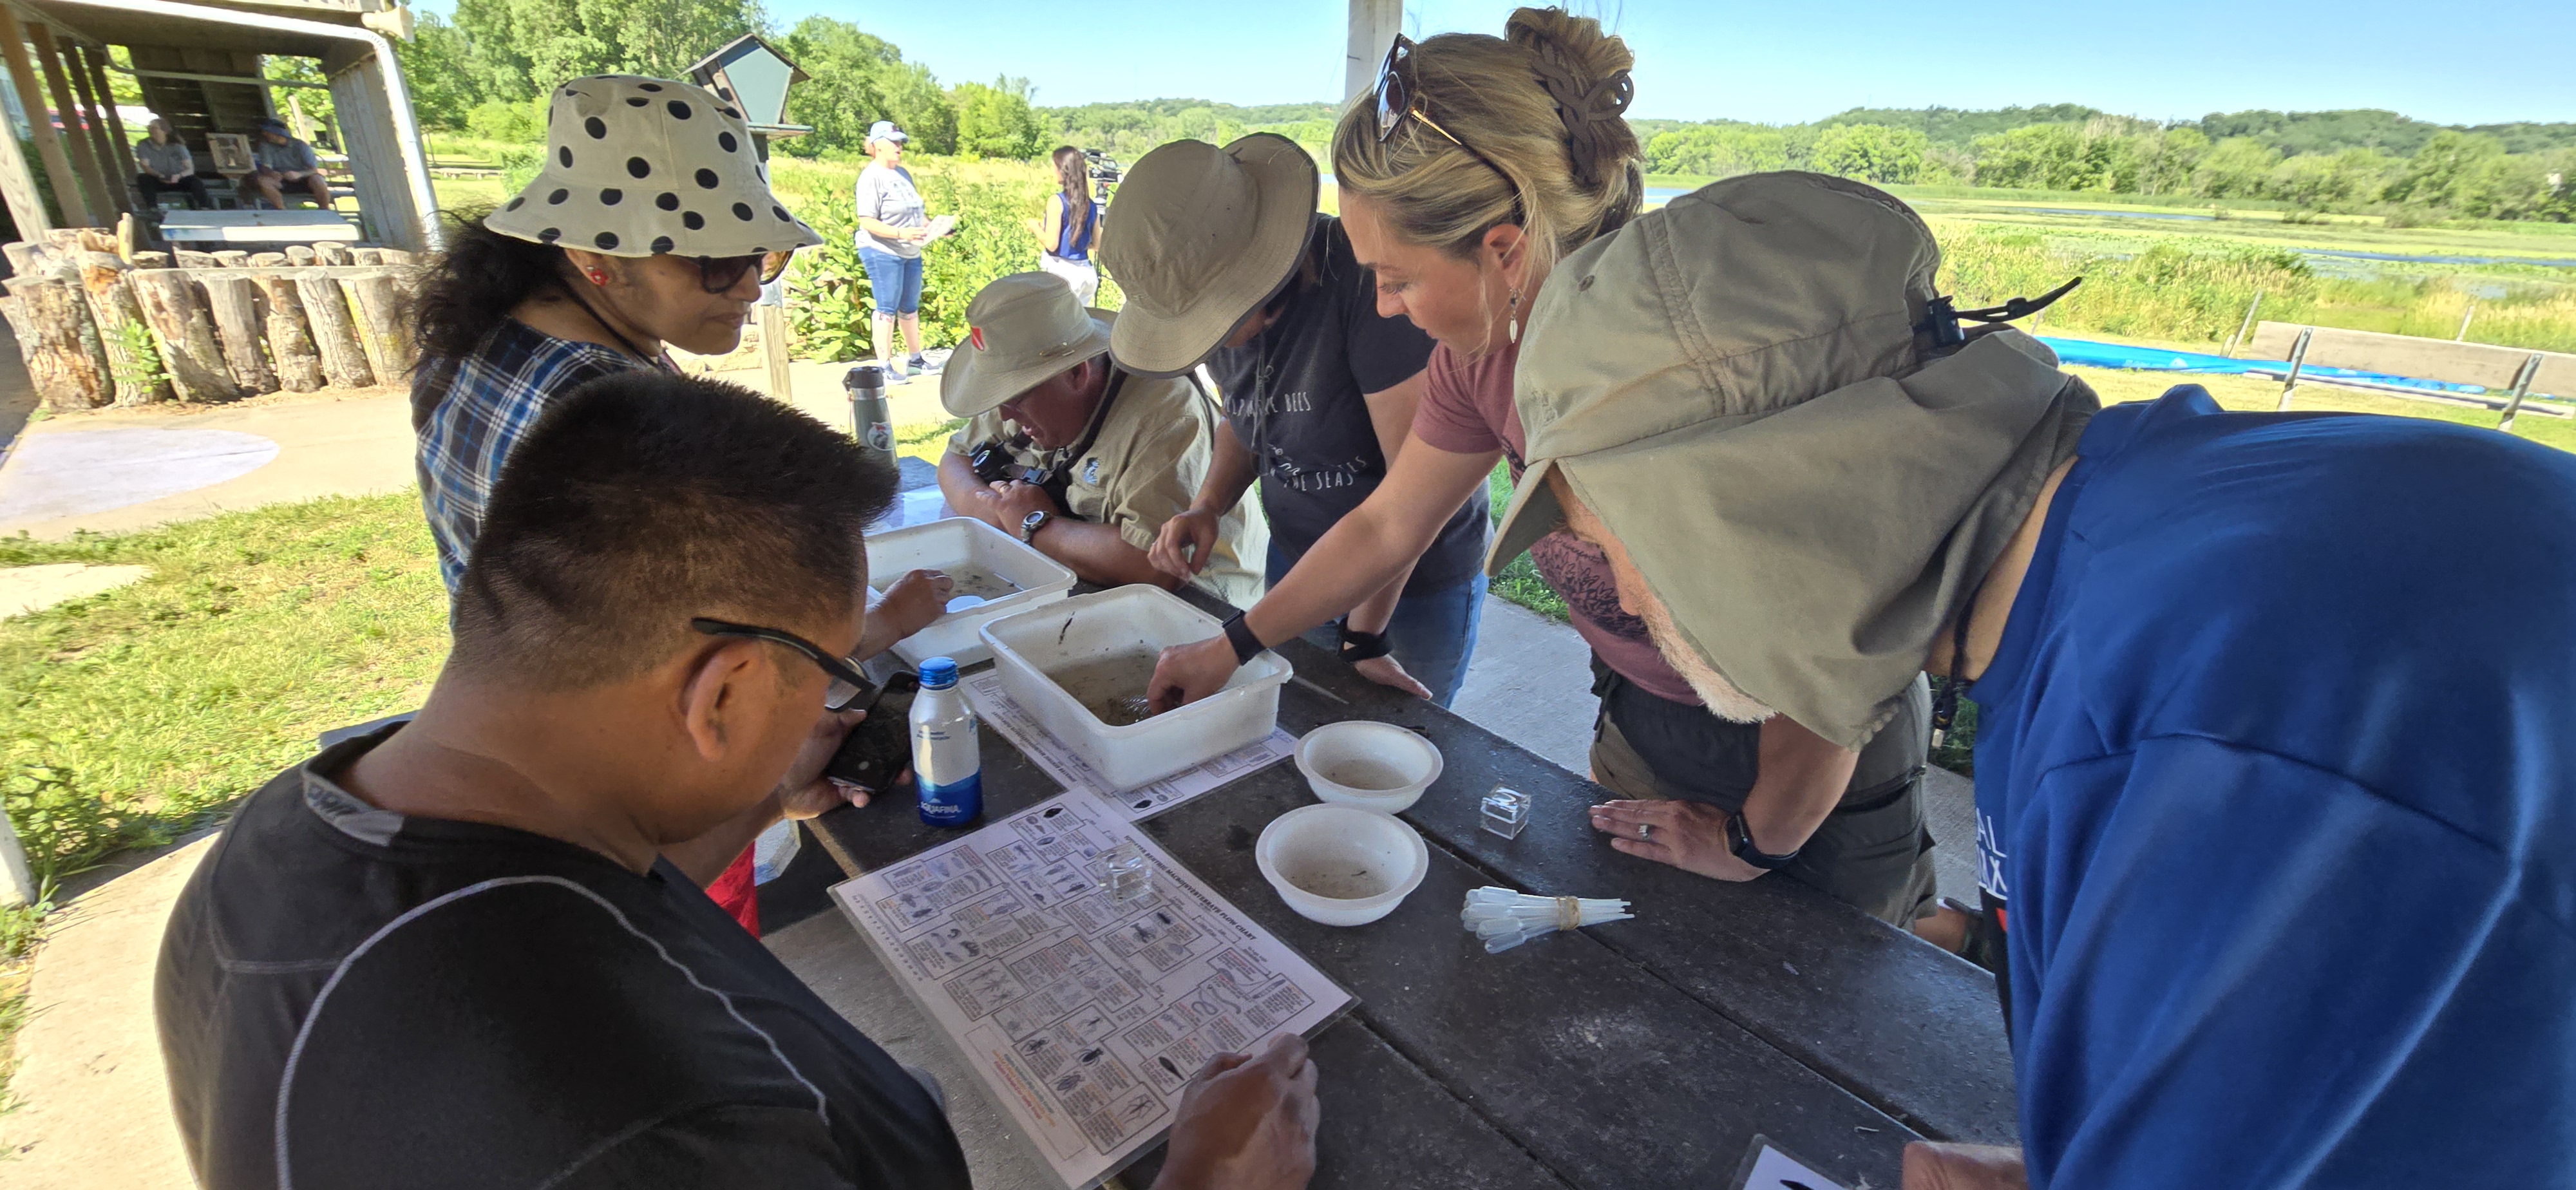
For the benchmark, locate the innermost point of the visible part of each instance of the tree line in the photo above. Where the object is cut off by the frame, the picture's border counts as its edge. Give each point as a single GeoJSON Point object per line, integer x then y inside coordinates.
{"type": "Point", "coordinates": [489, 70]}
{"type": "Point", "coordinates": [2320, 161]}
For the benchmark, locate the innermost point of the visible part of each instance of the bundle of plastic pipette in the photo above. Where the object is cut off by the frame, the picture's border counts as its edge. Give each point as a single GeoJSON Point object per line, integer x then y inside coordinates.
{"type": "Point", "coordinates": [1505, 919]}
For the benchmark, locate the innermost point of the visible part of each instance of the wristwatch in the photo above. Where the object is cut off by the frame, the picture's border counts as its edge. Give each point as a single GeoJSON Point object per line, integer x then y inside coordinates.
{"type": "Point", "coordinates": [1739, 839]}
{"type": "Point", "coordinates": [1030, 524]}
{"type": "Point", "coordinates": [1239, 635]}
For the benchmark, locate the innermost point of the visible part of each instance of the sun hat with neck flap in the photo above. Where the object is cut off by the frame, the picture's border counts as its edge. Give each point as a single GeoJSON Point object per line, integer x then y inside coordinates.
{"type": "Point", "coordinates": [1198, 237]}
{"type": "Point", "coordinates": [1737, 385]}
{"type": "Point", "coordinates": [641, 167]}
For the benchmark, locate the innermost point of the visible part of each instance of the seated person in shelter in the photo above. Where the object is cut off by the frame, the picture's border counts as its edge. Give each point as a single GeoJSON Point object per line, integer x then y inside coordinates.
{"type": "Point", "coordinates": [449, 954]}
{"type": "Point", "coordinates": [285, 161]}
{"type": "Point", "coordinates": [2272, 763]}
{"type": "Point", "coordinates": [166, 165]}
{"type": "Point", "coordinates": [1087, 460]}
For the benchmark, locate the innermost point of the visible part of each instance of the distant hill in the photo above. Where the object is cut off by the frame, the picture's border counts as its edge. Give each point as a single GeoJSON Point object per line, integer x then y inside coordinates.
{"type": "Point", "coordinates": [1953, 126]}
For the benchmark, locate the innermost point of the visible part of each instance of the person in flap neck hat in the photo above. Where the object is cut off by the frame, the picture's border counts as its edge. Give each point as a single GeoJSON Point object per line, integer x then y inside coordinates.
{"type": "Point", "coordinates": [2273, 764]}
{"type": "Point", "coordinates": [1073, 454]}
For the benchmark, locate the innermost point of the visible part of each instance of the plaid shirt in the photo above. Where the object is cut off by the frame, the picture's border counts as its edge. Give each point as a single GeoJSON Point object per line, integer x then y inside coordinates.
{"type": "Point", "coordinates": [469, 412]}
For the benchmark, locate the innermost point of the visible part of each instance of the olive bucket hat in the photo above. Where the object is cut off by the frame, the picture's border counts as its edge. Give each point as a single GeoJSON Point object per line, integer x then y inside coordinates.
{"type": "Point", "coordinates": [1741, 387]}
{"type": "Point", "coordinates": [640, 166]}
{"type": "Point", "coordinates": [1198, 237]}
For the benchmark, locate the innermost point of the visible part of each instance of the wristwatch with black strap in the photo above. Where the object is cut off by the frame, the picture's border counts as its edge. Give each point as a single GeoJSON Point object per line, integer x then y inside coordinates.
{"type": "Point", "coordinates": [1739, 839]}
{"type": "Point", "coordinates": [1239, 634]}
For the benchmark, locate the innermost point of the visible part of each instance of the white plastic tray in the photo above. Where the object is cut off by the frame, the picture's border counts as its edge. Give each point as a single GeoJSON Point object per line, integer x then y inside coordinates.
{"type": "Point", "coordinates": [961, 545]}
{"type": "Point", "coordinates": [1027, 644]}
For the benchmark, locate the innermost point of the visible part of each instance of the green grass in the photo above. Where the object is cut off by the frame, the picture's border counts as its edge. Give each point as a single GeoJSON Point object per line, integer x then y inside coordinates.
{"type": "Point", "coordinates": [1520, 581]}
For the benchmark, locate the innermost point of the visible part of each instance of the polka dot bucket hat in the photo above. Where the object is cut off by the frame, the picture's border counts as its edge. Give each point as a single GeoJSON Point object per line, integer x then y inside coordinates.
{"type": "Point", "coordinates": [640, 166]}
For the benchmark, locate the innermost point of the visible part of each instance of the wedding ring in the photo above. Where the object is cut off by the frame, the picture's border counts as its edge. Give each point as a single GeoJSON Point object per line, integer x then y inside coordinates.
{"type": "Point", "coordinates": [1646, 830]}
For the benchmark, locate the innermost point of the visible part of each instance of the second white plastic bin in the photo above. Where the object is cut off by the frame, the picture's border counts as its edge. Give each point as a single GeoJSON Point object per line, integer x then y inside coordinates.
{"type": "Point", "coordinates": [1029, 645]}
{"type": "Point", "coordinates": [973, 553]}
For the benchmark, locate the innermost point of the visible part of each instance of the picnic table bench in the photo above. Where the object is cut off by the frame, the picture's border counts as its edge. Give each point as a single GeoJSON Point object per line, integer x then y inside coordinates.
{"type": "Point", "coordinates": [1641, 1053]}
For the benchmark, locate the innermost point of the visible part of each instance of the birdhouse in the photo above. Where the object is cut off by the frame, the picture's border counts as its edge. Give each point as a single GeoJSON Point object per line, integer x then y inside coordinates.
{"type": "Point", "coordinates": [753, 77]}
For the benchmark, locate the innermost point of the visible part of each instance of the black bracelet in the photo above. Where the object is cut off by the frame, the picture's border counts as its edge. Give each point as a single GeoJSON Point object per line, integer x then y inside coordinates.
{"type": "Point", "coordinates": [1360, 646]}
{"type": "Point", "coordinates": [1739, 840]}
{"type": "Point", "coordinates": [1239, 634]}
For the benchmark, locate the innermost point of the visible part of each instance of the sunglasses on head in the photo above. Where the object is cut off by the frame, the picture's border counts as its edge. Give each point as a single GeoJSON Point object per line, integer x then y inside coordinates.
{"type": "Point", "coordinates": [849, 687]}
{"type": "Point", "coordinates": [716, 274]}
{"type": "Point", "coordinates": [1399, 101]}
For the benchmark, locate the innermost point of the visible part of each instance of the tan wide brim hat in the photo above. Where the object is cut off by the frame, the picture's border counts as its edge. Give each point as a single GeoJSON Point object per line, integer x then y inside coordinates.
{"type": "Point", "coordinates": [1198, 237]}
{"type": "Point", "coordinates": [640, 166]}
{"type": "Point", "coordinates": [1022, 331]}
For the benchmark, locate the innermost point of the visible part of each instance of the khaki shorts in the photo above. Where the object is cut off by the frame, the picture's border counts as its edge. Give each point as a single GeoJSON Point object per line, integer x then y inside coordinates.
{"type": "Point", "coordinates": [1873, 853]}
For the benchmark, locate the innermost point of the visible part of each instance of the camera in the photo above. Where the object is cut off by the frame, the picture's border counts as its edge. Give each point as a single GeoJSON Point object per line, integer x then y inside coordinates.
{"type": "Point", "coordinates": [1105, 173]}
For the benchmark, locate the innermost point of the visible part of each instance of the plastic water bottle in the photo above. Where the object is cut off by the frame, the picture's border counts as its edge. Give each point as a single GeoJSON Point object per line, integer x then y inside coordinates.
{"type": "Point", "coordinates": [947, 760]}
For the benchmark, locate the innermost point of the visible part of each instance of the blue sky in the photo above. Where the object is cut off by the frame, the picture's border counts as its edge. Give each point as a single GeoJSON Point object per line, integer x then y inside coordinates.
{"type": "Point", "coordinates": [2172, 59]}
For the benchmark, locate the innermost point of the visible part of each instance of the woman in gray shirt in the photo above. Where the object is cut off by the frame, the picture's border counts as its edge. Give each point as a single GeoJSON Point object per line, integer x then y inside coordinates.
{"type": "Point", "coordinates": [163, 163]}
{"type": "Point", "coordinates": [892, 228]}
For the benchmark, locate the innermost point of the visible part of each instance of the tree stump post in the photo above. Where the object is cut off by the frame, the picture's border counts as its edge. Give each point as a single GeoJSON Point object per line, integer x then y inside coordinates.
{"type": "Point", "coordinates": [189, 348]}
{"type": "Point", "coordinates": [234, 302]}
{"type": "Point", "coordinates": [299, 366]}
{"type": "Point", "coordinates": [268, 260]}
{"type": "Point", "coordinates": [333, 254]}
{"type": "Point", "coordinates": [59, 341]}
{"type": "Point", "coordinates": [376, 304]}
{"type": "Point", "coordinates": [300, 256]}
{"type": "Point", "coordinates": [132, 357]}
{"type": "Point", "coordinates": [187, 258]}
{"type": "Point", "coordinates": [335, 335]}
{"type": "Point", "coordinates": [233, 258]}
{"type": "Point", "coordinates": [368, 255]}
{"type": "Point", "coordinates": [395, 256]}
{"type": "Point", "coordinates": [149, 260]}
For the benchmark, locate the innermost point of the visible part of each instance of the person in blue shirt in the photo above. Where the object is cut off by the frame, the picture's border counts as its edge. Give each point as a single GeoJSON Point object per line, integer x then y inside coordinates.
{"type": "Point", "coordinates": [2276, 756]}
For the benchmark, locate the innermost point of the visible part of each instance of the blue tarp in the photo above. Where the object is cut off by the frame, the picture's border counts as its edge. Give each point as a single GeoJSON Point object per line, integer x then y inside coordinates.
{"type": "Point", "coordinates": [2156, 359]}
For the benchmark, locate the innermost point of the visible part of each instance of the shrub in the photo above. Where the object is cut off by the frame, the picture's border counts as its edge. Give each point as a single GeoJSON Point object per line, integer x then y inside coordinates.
{"type": "Point", "coordinates": [512, 120]}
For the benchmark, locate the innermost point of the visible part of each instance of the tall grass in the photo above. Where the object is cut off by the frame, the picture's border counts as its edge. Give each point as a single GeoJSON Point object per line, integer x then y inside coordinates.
{"type": "Point", "coordinates": [2197, 293]}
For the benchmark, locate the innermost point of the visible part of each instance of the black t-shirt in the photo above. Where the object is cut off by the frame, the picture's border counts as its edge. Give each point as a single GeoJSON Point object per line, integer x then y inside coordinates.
{"type": "Point", "coordinates": [390, 1002]}
{"type": "Point", "coordinates": [1296, 398]}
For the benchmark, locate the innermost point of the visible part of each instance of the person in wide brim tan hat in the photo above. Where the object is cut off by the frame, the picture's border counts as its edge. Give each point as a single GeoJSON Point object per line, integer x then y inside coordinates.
{"type": "Point", "coordinates": [1199, 237]}
{"type": "Point", "coordinates": [1022, 331]}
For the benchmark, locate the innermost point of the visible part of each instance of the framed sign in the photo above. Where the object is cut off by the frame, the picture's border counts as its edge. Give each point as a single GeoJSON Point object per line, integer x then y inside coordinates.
{"type": "Point", "coordinates": [231, 151]}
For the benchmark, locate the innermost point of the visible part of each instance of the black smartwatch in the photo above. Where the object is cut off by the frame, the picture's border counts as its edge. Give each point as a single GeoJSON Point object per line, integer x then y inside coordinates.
{"type": "Point", "coordinates": [1739, 839]}
{"type": "Point", "coordinates": [1239, 634]}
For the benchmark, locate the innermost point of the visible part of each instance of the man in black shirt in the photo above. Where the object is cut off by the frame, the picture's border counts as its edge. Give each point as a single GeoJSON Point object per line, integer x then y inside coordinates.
{"type": "Point", "coordinates": [448, 954]}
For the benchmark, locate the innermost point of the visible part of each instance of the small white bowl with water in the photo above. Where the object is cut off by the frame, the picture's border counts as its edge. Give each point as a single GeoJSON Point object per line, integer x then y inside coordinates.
{"type": "Point", "coordinates": [1341, 865]}
{"type": "Point", "coordinates": [1376, 766]}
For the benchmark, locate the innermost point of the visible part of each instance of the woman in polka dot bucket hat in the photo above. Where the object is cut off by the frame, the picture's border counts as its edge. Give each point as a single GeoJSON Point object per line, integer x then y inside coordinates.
{"type": "Point", "coordinates": [652, 225]}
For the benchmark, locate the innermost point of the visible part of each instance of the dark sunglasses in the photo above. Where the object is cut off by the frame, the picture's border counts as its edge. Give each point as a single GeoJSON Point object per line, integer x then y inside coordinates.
{"type": "Point", "coordinates": [716, 274]}
{"type": "Point", "coordinates": [849, 687]}
{"type": "Point", "coordinates": [1400, 100]}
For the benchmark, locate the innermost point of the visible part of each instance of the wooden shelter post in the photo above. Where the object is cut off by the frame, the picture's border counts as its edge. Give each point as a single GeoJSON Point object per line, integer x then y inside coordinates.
{"type": "Point", "coordinates": [84, 154]}
{"type": "Point", "coordinates": [40, 123]}
{"type": "Point", "coordinates": [91, 82]}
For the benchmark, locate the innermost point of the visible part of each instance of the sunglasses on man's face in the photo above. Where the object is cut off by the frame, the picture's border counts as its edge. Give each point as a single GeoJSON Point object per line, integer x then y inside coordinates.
{"type": "Point", "coordinates": [719, 274]}
{"type": "Point", "coordinates": [1399, 101]}
{"type": "Point", "coordinates": [849, 689]}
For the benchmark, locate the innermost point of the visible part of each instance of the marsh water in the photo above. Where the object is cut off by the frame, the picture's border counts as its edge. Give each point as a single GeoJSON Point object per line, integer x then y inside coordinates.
{"type": "Point", "coordinates": [1112, 687]}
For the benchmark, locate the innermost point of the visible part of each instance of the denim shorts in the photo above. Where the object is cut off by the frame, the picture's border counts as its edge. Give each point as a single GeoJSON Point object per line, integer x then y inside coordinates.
{"type": "Point", "coordinates": [894, 280]}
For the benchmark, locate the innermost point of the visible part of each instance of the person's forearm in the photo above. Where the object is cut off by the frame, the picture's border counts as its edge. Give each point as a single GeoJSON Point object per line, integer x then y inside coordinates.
{"type": "Point", "coordinates": [1231, 470]}
{"type": "Point", "coordinates": [1097, 553]}
{"type": "Point", "coordinates": [1374, 612]}
{"type": "Point", "coordinates": [957, 482]}
{"type": "Point", "coordinates": [706, 857]}
{"type": "Point", "coordinates": [882, 229]}
{"type": "Point", "coordinates": [878, 636]}
{"type": "Point", "coordinates": [1800, 780]}
{"type": "Point", "coordinates": [1368, 552]}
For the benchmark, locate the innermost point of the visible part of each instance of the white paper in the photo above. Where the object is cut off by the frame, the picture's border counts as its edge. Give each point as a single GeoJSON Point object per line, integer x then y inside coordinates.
{"type": "Point", "coordinates": [995, 706]}
{"type": "Point", "coordinates": [1084, 1017]}
{"type": "Point", "coordinates": [939, 228]}
{"type": "Point", "coordinates": [1775, 1170]}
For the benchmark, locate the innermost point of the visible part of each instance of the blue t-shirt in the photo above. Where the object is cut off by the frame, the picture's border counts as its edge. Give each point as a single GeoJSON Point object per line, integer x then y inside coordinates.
{"type": "Point", "coordinates": [2276, 763]}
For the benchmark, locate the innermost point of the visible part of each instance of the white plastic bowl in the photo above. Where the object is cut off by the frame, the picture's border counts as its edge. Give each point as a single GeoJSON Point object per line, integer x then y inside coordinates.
{"type": "Point", "coordinates": [1087, 629]}
{"type": "Point", "coordinates": [1341, 865]}
{"type": "Point", "coordinates": [1375, 766]}
{"type": "Point", "coordinates": [966, 548]}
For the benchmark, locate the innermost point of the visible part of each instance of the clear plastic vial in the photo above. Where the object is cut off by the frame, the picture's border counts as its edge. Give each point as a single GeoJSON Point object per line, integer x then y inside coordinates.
{"type": "Point", "coordinates": [947, 759]}
{"type": "Point", "coordinates": [1505, 811]}
{"type": "Point", "coordinates": [1125, 872]}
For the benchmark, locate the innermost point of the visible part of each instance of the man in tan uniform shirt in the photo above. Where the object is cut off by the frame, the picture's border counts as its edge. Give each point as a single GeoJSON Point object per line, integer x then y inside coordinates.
{"type": "Point", "coordinates": [1088, 460]}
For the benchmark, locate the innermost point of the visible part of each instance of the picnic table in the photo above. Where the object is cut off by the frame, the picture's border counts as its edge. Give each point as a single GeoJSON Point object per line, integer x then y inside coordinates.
{"type": "Point", "coordinates": [1641, 1053]}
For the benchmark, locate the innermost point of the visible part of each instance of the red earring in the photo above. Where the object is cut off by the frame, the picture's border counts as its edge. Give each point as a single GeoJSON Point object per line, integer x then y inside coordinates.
{"type": "Point", "coordinates": [598, 278]}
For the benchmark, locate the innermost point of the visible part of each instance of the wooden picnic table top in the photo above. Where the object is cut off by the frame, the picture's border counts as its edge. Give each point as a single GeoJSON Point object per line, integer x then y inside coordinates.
{"type": "Point", "coordinates": [1641, 1052]}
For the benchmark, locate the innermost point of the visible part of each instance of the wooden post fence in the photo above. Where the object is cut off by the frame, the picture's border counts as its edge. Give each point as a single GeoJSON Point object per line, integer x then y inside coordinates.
{"type": "Point", "coordinates": [335, 335]}
{"type": "Point", "coordinates": [290, 342]}
{"type": "Point", "coordinates": [2298, 360]}
{"type": "Point", "coordinates": [190, 352]}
